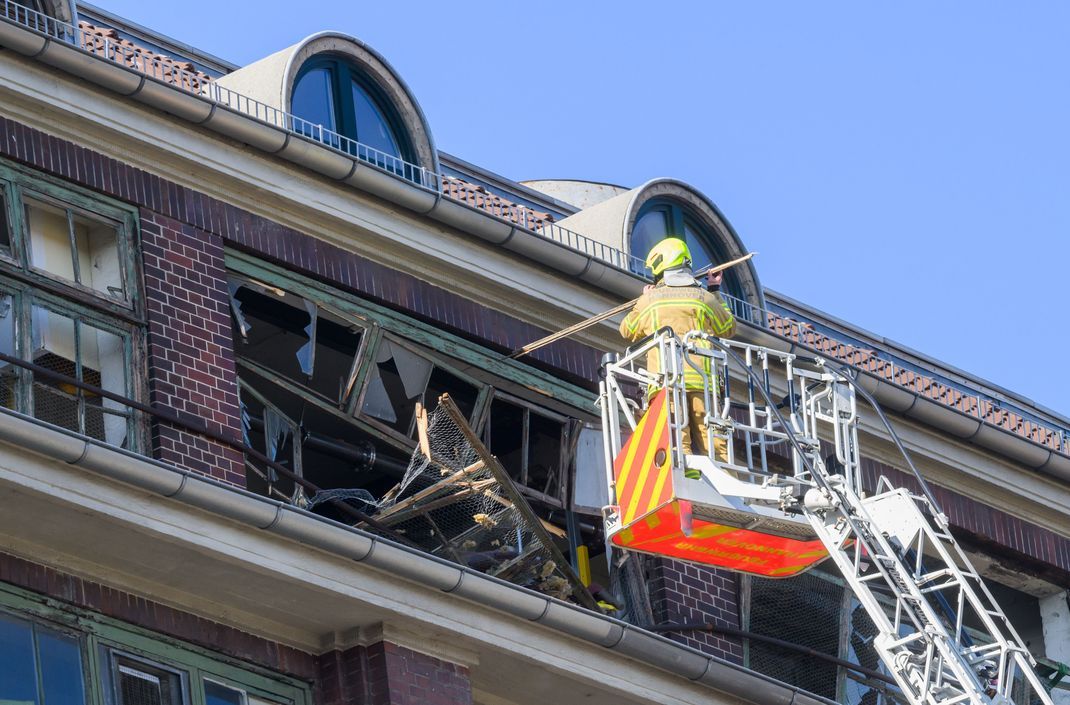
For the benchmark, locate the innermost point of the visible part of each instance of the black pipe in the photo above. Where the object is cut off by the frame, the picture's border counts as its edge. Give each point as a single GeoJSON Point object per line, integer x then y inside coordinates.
{"type": "Point", "coordinates": [741, 634]}
{"type": "Point", "coordinates": [363, 455]}
{"type": "Point", "coordinates": [200, 427]}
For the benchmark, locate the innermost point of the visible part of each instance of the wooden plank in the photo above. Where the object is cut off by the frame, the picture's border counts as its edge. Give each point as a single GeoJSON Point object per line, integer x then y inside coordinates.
{"type": "Point", "coordinates": [428, 491]}
{"type": "Point", "coordinates": [421, 430]}
{"type": "Point", "coordinates": [582, 595]}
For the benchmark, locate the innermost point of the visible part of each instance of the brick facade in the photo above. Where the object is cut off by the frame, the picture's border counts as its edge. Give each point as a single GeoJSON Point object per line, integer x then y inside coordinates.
{"type": "Point", "coordinates": [688, 593]}
{"type": "Point", "coordinates": [190, 350]}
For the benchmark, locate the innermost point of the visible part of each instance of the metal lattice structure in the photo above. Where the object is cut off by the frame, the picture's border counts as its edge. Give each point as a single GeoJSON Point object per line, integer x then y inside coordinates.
{"type": "Point", "coordinates": [457, 502]}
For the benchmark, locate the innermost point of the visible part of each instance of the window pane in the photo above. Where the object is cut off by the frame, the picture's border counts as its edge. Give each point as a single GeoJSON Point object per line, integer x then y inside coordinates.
{"type": "Point", "coordinates": [18, 676]}
{"type": "Point", "coordinates": [50, 240]}
{"type": "Point", "coordinates": [461, 392]}
{"type": "Point", "coordinates": [61, 668]}
{"type": "Point", "coordinates": [104, 365]}
{"type": "Point", "coordinates": [5, 235]}
{"type": "Point", "coordinates": [506, 436]}
{"type": "Point", "coordinates": [8, 373]}
{"type": "Point", "coordinates": [313, 100]}
{"type": "Point", "coordinates": [336, 346]}
{"type": "Point", "coordinates": [545, 436]}
{"type": "Point", "coordinates": [395, 383]}
{"type": "Point", "coordinates": [219, 694]}
{"type": "Point", "coordinates": [372, 128]}
{"type": "Point", "coordinates": [649, 230]}
{"type": "Point", "coordinates": [700, 253]}
{"type": "Point", "coordinates": [55, 347]}
{"type": "Point", "coordinates": [97, 243]}
{"type": "Point", "coordinates": [275, 331]}
{"type": "Point", "coordinates": [137, 683]}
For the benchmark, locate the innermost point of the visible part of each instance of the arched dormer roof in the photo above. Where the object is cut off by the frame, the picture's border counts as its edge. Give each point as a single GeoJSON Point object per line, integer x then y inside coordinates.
{"type": "Point", "coordinates": [271, 81]}
{"type": "Point", "coordinates": [612, 222]}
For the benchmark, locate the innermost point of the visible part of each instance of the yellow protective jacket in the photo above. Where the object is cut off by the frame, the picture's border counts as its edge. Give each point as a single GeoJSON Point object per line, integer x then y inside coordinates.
{"type": "Point", "coordinates": [684, 309]}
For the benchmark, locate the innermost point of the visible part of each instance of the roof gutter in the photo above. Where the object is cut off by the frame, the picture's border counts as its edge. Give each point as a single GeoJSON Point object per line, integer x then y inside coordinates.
{"type": "Point", "coordinates": [289, 522]}
{"type": "Point", "coordinates": [313, 155]}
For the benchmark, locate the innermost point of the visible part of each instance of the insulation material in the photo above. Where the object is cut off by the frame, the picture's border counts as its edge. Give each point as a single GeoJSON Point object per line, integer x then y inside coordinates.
{"type": "Point", "coordinates": [458, 503]}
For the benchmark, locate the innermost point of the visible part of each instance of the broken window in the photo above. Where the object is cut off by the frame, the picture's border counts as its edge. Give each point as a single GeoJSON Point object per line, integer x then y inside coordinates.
{"type": "Point", "coordinates": [75, 246]}
{"type": "Point", "coordinates": [295, 338]}
{"type": "Point", "coordinates": [531, 445]}
{"type": "Point", "coordinates": [400, 379]}
{"type": "Point", "coordinates": [271, 432]}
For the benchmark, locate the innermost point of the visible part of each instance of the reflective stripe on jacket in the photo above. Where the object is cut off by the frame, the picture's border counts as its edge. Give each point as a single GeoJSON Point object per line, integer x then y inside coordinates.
{"type": "Point", "coordinates": [684, 309]}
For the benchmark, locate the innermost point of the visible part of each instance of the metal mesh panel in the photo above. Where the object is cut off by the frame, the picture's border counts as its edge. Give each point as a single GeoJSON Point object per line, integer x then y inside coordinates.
{"type": "Point", "coordinates": [805, 611]}
{"type": "Point", "coordinates": [456, 502]}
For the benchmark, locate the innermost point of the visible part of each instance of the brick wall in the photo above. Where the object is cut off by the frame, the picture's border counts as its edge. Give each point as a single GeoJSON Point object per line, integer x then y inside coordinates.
{"type": "Point", "coordinates": [191, 354]}
{"type": "Point", "coordinates": [684, 592]}
{"type": "Point", "coordinates": [388, 674]}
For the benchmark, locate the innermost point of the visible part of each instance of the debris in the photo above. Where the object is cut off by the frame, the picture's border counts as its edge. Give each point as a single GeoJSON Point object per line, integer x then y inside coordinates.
{"type": "Point", "coordinates": [484, 520]}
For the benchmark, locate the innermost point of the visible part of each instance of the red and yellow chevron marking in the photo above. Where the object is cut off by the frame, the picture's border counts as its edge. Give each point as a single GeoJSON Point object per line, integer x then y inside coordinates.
{"type": "Point", "coordinates": [642, 469]}
{"type": "Point", "coordinates": [731, 547]}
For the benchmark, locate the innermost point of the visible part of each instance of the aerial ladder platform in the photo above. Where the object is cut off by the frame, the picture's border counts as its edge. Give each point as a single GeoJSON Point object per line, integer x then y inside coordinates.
{"type": "Point", "coordinates": [786, 492]}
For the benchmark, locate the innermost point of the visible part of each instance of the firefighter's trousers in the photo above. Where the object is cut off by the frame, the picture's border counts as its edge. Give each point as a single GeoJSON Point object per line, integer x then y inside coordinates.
{"type": "Point", "coordinates": [693, 434]}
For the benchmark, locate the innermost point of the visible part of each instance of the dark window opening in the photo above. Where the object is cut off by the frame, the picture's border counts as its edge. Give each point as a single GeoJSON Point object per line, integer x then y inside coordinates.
{"type": "Point", "coordinates": [529, 445]}
{"type": "Point", "coordinates": [401, 378]}
{"type": "Point", "coordinates": [332, 95]}
{"type": "Point", "coordinates": [292, 337]}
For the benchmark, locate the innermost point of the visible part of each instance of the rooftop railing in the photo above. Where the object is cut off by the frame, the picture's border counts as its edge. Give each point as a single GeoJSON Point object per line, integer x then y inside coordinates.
{"type": "Point", "coordinates": [165, 70]}
{"type": "Point", "coordinates": [906, 374]}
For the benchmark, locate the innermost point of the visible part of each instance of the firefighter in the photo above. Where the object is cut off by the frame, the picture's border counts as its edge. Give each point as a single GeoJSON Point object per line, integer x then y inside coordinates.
{"type": "Point", "coordinates": [679, 301]}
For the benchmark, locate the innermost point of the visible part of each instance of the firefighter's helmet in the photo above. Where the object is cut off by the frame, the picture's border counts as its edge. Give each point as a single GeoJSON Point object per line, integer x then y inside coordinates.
{"type": "Point", "coordinates": [670, 253]}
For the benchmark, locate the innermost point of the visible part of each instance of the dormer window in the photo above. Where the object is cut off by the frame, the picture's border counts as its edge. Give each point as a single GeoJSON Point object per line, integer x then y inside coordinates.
{"type": "Point", "coordinates": [659, 219]}
{"type": "Point", "coordinates": [332, 93]}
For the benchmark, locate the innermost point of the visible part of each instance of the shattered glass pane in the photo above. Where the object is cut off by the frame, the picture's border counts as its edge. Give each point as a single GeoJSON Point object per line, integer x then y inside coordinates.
{"type": "Point", "coordinates": [306, 356]}
{"type": "Point", "coordinates": [274, 332]}
{"type": "Point", "coordinates": [376, 400]}
{"type": "Point", "coordinates": [395, 384]}
{"type": "Point", "coordinates": [336, 350]}
{"type": "Point", "coordinates": [413, 369]}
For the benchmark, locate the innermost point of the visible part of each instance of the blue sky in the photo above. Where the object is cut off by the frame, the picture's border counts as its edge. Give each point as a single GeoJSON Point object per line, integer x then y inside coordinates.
{"type": "Point", "coordinates": [903, 166]}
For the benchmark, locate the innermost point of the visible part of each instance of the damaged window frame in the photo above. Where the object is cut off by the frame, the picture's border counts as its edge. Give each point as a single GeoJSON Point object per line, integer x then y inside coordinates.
{"type": "Point", "coordinates": [565, 457]}
{"type": "Point", "coordinates": [18, 186]}
{"type": "Point", "coordinates": [236, 282]}
{"type": "Point", "coordinates": [361, 387]}
{"type": "Point", "coordinates": [464, 359]}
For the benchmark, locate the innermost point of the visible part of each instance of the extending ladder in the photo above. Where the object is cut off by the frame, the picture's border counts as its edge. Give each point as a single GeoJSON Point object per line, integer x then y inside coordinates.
{"type": "Point", "coordinates": [941, 634]}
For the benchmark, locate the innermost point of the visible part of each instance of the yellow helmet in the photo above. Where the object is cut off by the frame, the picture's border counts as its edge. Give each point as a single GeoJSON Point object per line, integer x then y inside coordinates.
{"type": "Point", "coordinates": [670, 253]}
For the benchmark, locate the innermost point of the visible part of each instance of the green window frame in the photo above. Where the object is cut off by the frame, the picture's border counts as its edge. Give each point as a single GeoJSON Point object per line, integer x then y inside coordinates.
{"type": "Point", "coordinates": [67, 321]}
{"type": "Point", "coordinates": [106, 643]}
{"type": "Point", "coordinates": [25, 195]}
